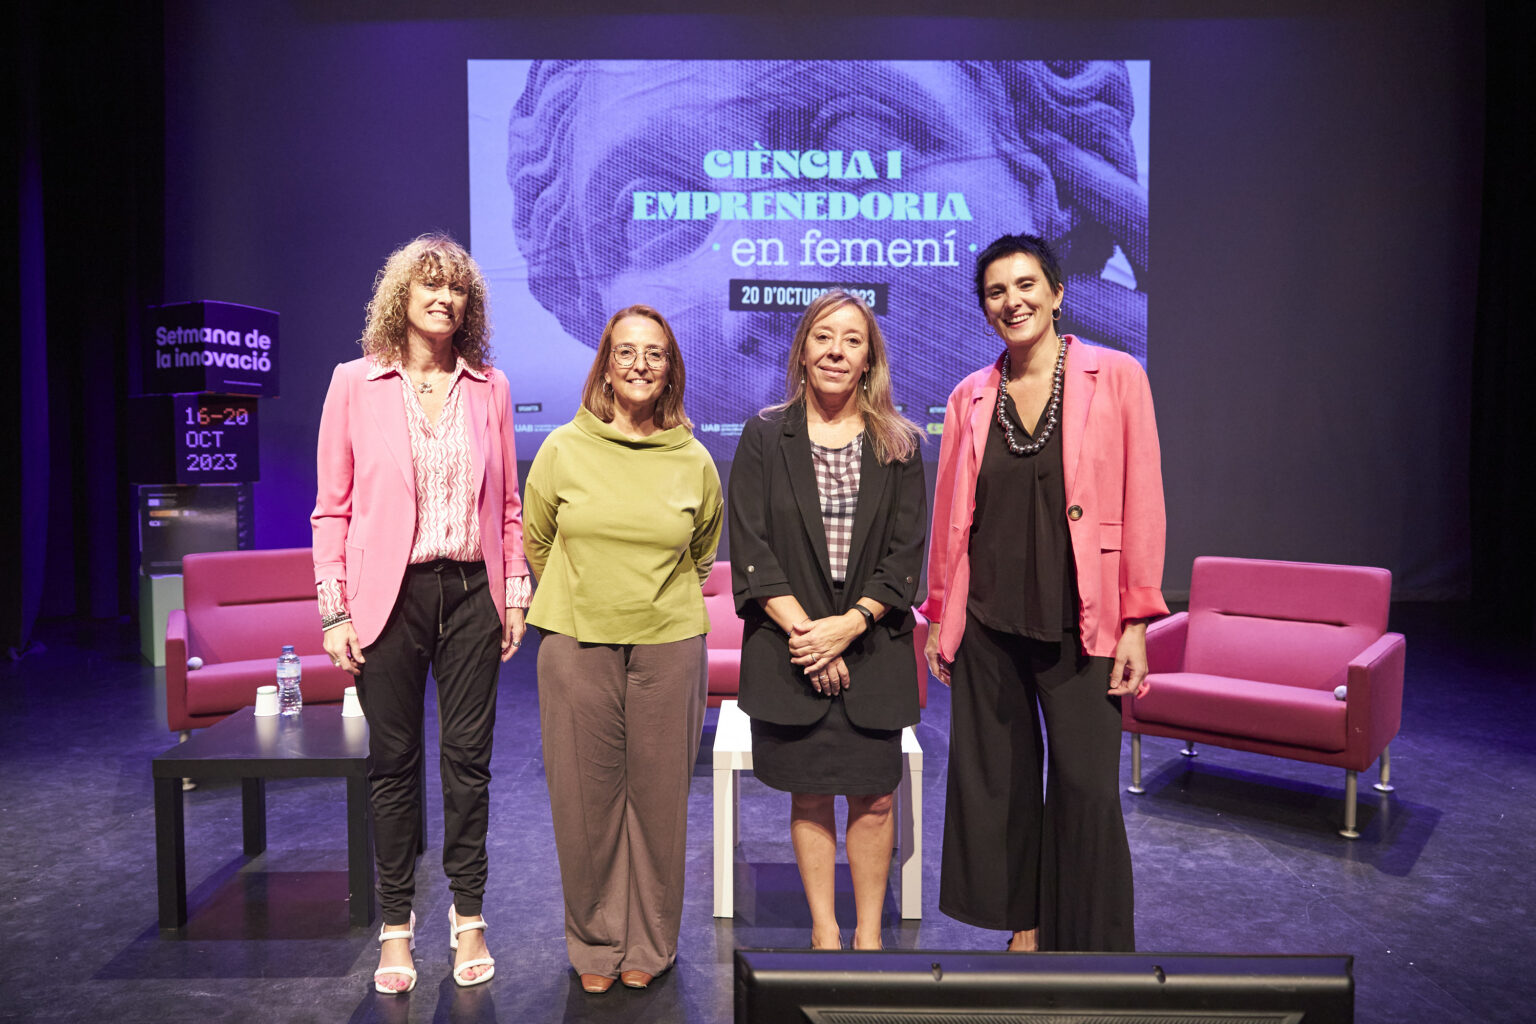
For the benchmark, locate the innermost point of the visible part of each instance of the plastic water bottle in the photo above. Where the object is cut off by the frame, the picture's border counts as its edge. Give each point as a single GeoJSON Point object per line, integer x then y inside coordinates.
{"type": "Point", "coordinates": [290, 701]}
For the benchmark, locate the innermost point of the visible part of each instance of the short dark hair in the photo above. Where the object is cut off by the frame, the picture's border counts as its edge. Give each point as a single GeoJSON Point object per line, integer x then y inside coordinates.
{"type": "Point", "coordinates": [1007, 245]}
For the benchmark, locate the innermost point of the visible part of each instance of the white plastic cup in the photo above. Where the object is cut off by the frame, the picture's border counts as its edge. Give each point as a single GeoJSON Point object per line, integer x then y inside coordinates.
{"type": "Point", "coordinates": [351, 707]}
{"type": "Point", "coordinates": [266, 701]}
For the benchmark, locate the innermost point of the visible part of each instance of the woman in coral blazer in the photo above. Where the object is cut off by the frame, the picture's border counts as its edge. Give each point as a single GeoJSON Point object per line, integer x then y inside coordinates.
{"type": "Point", "coordinates": [1046, 561]}
{"type": "Point", "coordinates": [419, 564]}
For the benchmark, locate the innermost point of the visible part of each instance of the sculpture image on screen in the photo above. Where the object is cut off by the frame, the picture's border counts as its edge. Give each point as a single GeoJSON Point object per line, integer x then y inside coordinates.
{"type": "Point", "coordinates": [726, 192]}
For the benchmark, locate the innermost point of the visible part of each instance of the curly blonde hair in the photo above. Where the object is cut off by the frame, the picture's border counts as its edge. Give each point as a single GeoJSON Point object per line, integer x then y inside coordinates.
{"type": "Point", "coordinates": [894, 437]}
{"type": "Point", "coordinates": [433, 259]}
{"type": "Point", "coordinates": [669, 406]}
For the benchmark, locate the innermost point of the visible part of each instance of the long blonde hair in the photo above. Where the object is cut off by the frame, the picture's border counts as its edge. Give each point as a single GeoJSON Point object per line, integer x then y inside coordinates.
{"type": "Point", "coordinates": [669, 411]}
{"type": "Point", "coordinates": [895, 438]}
{"type": "Point", "coordinates": [433, 259]}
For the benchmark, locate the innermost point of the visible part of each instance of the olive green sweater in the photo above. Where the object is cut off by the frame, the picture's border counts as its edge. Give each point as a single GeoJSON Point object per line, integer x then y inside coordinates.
{"type": "Point", "coordinates": [621, 533]}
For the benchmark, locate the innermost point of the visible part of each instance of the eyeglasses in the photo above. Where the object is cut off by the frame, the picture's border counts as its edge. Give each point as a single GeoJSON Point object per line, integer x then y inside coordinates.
{"type": "Point", "coordinates": [625, 355]}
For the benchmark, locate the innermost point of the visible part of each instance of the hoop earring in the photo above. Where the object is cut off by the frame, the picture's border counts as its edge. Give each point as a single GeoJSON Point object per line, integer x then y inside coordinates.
{"type": "Point", "coordinates": [1056, 314]}
{"type": "Point", "coordinates": [607, 387]}
{"type": "Point", "coordinates": [668, 389]}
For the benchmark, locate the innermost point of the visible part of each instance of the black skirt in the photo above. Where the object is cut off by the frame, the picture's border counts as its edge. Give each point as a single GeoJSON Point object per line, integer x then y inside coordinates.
{"type": "Point", "coordinates": [832, 756]}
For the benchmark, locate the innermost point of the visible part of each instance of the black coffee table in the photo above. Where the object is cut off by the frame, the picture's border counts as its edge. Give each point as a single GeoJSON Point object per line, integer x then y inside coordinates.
{"type": "Point", "coordinates": [319, 743]}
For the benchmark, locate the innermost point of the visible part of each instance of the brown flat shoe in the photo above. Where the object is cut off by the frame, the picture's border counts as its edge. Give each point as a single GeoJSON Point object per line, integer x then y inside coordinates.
{"type": "Point", "coordinates": [595, 983]}
{"type": "Point", "coordinates": [635, 979]}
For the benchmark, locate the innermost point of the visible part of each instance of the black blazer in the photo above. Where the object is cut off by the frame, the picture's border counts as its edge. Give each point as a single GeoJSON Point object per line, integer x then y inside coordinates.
{"type": "Point", "coordinates": [779, 547]}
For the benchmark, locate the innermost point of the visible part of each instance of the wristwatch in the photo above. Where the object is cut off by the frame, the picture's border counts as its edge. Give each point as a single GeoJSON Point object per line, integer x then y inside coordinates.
{"type": "Point", "coordinates": [869, 617]}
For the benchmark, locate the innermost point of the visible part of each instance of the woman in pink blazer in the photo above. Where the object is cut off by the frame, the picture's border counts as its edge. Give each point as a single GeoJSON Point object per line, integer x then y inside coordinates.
{"type": "Point", "coordinates": [1045, 564]}
{"type": "Point", "coordinates": [419, 562]}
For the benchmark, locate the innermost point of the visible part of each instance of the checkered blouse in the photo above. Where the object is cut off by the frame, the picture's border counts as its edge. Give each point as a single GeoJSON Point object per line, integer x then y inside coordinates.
{"type": "Point", "coordinates": [837, 480]}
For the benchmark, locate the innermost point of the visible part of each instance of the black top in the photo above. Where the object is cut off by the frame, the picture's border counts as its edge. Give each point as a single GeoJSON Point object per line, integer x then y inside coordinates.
{"type": "Point", "coordinates": [1022, 577]}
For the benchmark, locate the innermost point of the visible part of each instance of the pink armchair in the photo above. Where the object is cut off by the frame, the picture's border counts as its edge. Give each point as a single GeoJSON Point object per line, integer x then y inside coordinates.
{"type": "Point", "coordinates": [241, 607]}
{"type": "Point", "coordinates": [1290, 659]}
{"type": "Point", "coordinates": [724, 640]}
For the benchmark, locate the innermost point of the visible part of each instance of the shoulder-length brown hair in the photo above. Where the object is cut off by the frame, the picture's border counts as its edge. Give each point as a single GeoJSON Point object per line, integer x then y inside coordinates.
{"type": "Point", "coordinates": [433, 259]}
{"type": "Point", "coordinates": [598, 398]}
{"type": "Point", "coordinates": [894, 436]}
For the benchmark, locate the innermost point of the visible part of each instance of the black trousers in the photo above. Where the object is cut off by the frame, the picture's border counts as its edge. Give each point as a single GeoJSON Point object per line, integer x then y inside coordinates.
{"type": "Point", "coordinates": [1019, 854]}
{"type": "Point", "coordinates": [445, 620]}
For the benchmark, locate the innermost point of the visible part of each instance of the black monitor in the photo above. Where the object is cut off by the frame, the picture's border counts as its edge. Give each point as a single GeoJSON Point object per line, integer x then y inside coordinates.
{"type": "Point", "coordinates": [776, 986]}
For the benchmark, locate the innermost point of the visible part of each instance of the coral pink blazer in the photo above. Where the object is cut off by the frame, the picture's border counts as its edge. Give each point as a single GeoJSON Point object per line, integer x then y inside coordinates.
{"type": "Point", "coordinates": [1114, 483]}
{"type": "Point", "coordinates": [365, 511]}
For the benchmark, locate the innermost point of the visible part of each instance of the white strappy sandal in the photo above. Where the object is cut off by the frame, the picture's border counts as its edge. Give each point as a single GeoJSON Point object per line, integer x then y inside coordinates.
{"type": "Point", "coordinates": [454, 931]}
{"type": "Point", "coordinates": [409, 972]}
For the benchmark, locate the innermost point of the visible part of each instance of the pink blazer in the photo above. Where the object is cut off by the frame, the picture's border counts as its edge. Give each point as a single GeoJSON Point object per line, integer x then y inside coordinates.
{"type": "Point", "coordinates": [365, 511]}
{"type": "Point", "coordinates": [1114, 482]}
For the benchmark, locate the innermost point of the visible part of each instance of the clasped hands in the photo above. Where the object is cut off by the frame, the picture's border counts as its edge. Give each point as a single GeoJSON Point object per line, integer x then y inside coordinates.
{"type": "Point", "coordinates": [817, 646]}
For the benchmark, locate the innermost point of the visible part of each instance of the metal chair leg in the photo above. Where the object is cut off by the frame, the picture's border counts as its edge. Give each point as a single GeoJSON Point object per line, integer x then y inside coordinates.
{"type": "Point", "coordinates": [1189, 749]}
{"type": "Point", "coordinates": [1385, 785]}
{"type": "Point", "coordinates": [1348, 831]}
{"type": "Point", "coordinates": [1135, 786]}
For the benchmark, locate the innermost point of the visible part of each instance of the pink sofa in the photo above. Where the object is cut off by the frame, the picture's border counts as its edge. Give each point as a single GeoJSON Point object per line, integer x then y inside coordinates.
{"type": "Point", "coordinates": [1256, 662]}
{"type": "Point", "coordinates": [241, 607]}
{"type": "Point", "coordinates": [724, 640]}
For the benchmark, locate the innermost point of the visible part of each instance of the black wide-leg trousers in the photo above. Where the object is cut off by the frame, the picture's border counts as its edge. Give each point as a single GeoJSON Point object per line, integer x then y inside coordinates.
{"type": "Point", "coordinates": [1019, 853]}
{"type": "Point", "coordinates": [444, 620]}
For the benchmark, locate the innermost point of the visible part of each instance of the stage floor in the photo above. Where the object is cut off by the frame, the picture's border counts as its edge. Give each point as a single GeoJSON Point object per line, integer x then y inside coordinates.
{"type": "Point", "coordinates": [1234, 853]}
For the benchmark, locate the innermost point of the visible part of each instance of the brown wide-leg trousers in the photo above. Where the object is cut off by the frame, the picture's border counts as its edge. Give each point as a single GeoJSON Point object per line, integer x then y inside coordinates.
{"type": "Point", "coordinates": [621, 726]}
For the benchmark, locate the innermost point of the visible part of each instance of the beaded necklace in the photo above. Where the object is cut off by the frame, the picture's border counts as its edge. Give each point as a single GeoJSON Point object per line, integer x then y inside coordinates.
{"type": "Point", "coordinates": [1051, 410]}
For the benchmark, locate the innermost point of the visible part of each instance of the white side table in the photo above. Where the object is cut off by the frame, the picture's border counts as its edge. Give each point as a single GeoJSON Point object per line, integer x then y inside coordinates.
{"type": "Point", "coordinates": [733, 755]}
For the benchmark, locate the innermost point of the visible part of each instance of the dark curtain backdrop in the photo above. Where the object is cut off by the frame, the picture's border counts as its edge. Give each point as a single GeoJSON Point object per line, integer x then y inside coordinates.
{"type": "Point", "coordinates": [90, 204]}
{"type": "Point", "coordinates": [23, 470]}
{"type": "Point", "coordinates": [1503, 449]}
{"type": "Point", "coordinates": [1316, 206]}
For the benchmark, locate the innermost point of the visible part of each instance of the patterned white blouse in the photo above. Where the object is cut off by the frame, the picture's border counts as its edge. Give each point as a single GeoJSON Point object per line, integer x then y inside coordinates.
{"type": "Point", "coordinates": [447, 526]}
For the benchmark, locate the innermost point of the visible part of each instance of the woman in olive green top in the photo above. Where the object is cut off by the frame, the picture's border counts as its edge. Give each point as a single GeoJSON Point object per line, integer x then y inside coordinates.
{"type": "Point", "coordinates": [621, 515]}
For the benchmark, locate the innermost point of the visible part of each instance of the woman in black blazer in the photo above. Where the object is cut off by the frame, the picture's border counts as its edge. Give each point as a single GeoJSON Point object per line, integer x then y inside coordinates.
{"type": "Point", "coordinates": [828, 514]}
